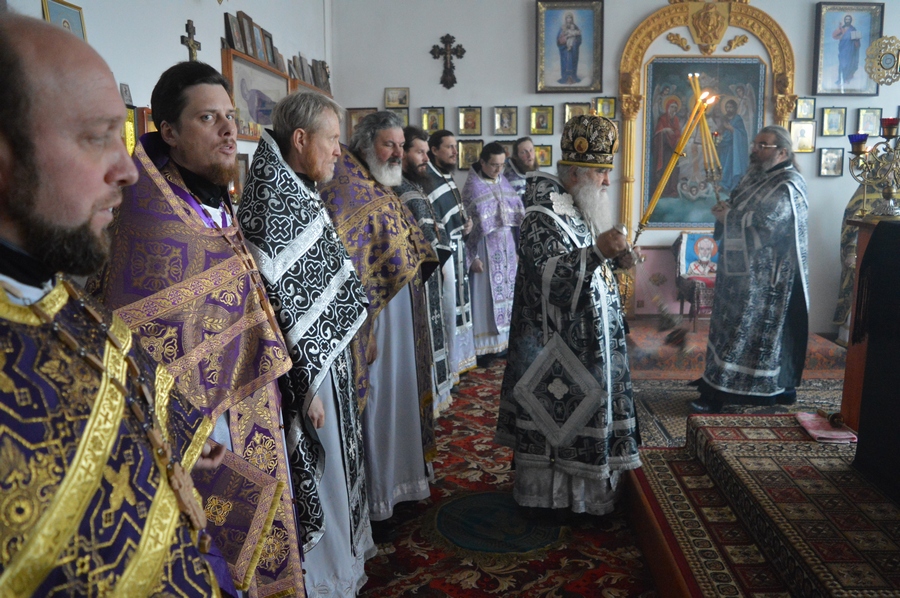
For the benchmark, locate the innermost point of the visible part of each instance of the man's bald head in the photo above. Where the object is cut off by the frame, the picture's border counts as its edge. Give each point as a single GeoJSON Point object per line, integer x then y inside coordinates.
{"type": "Point", "coordinates": [62, 159]}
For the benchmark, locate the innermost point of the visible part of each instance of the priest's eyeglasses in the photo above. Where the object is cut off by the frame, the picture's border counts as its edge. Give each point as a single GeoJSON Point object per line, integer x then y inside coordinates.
{"type": "Point", "coordinates": [759, 145]}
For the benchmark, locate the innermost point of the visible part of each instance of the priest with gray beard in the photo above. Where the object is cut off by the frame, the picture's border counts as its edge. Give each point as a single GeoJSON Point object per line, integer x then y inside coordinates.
{"type": "Point", "coordinates": [392, 352]}
{"type": "Point", "coordinates": [566, 404]}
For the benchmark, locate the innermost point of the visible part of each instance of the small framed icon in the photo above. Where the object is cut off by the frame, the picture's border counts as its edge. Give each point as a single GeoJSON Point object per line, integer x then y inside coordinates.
{"type": "Point", "coordinates": [834, 122]}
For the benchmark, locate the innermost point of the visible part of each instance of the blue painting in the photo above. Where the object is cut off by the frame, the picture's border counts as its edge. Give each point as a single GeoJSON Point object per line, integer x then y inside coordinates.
{"type": "Point", "coordinates": [68, 16]}
{"type": "Point", "coordinates": [568, 35]}
{"type": "Point", "coordinates": [698, 255]}
{"type": "Point", "coordinates": [844, 32]}
{"type": "Point", "coordinates": [734, 120]}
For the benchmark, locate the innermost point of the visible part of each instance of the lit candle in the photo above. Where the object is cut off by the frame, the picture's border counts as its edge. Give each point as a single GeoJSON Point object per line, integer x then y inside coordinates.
{"type": "Point", "coordinates": [697, 114]}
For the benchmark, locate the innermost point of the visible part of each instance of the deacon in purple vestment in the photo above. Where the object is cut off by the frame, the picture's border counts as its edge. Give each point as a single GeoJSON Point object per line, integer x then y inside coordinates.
{"type": "Point", "coordinates": [95, 488]}
{"type": "Point", "coordinates": [496, 212]}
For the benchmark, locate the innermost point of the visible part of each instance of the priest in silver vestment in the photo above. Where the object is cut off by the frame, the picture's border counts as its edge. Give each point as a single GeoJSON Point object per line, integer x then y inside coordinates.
{"type": "Point", "coordinates": [566, 404]}
{"type": "Point", "coordinates": [759, 329]}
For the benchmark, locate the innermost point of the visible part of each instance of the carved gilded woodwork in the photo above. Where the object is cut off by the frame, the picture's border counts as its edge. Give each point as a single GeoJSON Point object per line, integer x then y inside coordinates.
{"type": "Point", "coordinates": [736, 42]}
{"type": "Point", "coordinates": [677, 40]}
{"type": "Point", "coordinates": [709, 30]}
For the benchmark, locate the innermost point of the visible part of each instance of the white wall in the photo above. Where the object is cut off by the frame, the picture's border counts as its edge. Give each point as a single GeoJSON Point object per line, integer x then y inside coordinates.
{"type": "Point", "coordinates": [142, 38]}
{"type": "Point", "coordinates": [373, 44]}
{"type": "Point", "coordinates": [386, 43]}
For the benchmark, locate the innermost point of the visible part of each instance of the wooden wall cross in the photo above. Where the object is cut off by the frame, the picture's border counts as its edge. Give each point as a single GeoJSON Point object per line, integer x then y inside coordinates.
{"type": "Point", "coordinates": [447, 52]}
{"type": "Point", "coordinates": [189, 41]}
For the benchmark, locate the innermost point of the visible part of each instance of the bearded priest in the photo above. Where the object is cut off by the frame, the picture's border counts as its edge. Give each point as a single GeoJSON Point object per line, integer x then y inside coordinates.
{"type": "Point", "coordinates": [566, 404]}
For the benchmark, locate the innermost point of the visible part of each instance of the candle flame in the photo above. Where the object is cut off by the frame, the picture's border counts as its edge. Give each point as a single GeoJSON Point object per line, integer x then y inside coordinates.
{"type": "Point", "coordinates": [711, 100]}
{"type": "Point", "coordinates": [703, 95]}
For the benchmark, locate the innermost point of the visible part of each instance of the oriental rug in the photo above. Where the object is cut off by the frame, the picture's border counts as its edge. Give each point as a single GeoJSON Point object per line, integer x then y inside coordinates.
{"type": "Point", "coordinates": [652, 359]}
{"type": "Point", "coordinates": [470, 539]}
{"type": "Point", "coordinates": [753, 506]}
{"type": "Point", "coordinates": [662, 406]}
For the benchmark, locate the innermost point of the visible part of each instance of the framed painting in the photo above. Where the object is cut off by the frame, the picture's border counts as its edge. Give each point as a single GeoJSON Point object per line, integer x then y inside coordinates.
{"type": "Point", "coordinates": [470, 120]}
{"type": "Point", "coordinates": [354, 115]}
{"type": "Point", "coordinates": [432, 119]}
{"type": "Point", "coordinates": [834, 122]}
{"type": "Point", "coordinates": [247, 33]}
{"type": "Point", "coordinates": [573, 109]}
{"type": "Point", "coordinates": [541, 120]}
{"type": "Point", "coordinates": [806, 109]}
{"type": "Point", "coordinates": [144, 118]}
{"type": "Point", "coordinates": [259, 44]}
{"type": "Point", "coordinates": [233, 33]}
{"type": "Point", "coordinates": [396, 97]}
{"type": "Point", "coordinates": [507, 147]}
{"type": "Point", "coordinates": [544, 155]}
{"type": "Point", "coordinates": [803, 136]}
{"type": "Point", "coordinates": [259, 87]}
{"type": "Point", "coordinates": [831, 161]}
{"type": "Point", "coordinates": [129, 129]}
{"type": "Point", "coordinates": [736, 116]}
{"type": "Point", "coordinates": [869, 121]}
{"type": "Point", "coordinates": [66, 15]}
{"type": "Point", "coordinates": [844, 32]}
{"type": "Point", "coordinates": [243, 164]}
{"type": "Point", "coordinates": [403, 113]}
{"type": "Point", "coordinates": [468, 152]}
{"type": "Point", "coordinates": [605, 107]}
{"type": "Point", "coordinates": [569, 46]}
{"type": "Point", "coordinates": [506, 120]}
{"type": "Point", "coordinates": [270, 49]}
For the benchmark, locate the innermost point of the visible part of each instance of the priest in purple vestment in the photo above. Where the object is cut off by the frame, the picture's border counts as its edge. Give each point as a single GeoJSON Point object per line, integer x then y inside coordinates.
{"type": "Point", "coordinates": [183, 280]}
{"type": "Point", "coordinates": [392, 258]}
{"type": "Point", "coordinates": [496, 212]}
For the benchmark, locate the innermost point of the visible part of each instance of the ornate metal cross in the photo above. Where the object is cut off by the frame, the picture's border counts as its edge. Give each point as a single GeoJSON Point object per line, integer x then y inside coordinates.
{"type": "Point", "coordinates": [447, 52]}
{"type": "Point", "coordinates": [189, 41]}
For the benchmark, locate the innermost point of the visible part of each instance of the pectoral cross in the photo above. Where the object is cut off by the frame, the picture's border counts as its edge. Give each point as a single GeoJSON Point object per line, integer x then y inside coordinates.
{"type": "Point", "coordinates": [447, 52]}
{"type": "Point", "coordinates": [189, 41]}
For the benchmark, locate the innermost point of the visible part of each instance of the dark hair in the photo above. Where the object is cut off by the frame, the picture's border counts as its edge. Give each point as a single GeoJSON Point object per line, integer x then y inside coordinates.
{"type": "Point", "coordinates": [15, 107]}
{"type": "Point", "coordinates": [169, 99]}
{"type": "Point", "coordinates": [517, 143]}
{"type": "Point", "coordinates": [491, 149]}
{"type": "Point", "coordinates": [437, 138]}
{"type": "Point", "coordinates": [412, 133]}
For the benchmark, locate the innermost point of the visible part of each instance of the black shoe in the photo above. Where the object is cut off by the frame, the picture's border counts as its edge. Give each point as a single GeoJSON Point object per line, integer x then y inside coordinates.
{"type": "Point", "coordinates": [696, 382]}
{"type": "Point", "coordinates": [483, 361]}
{"type": "Point", "coordinates": [788, 397]}
{"type": "Point", "coordinates": [701, 405]}
{"type": "Point", "coordinates": [384, 532]}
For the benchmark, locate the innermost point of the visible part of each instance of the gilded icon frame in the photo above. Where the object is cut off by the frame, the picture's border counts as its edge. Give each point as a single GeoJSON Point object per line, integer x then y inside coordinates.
{"type": "Point", "coordinates": [582, 49]}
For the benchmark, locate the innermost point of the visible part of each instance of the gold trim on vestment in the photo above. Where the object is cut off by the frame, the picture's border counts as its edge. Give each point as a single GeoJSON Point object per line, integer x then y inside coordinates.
{"type": "Point", "coordinates": [63, 516]}
{"type": "Point", "coordinates": [585, 164]}
{"type": "Point", "coordinates": [50, 304]}
{"type": "Point", "coordinates": [145, 566]}
{"type": "Point", "coordinates": [162, 387]}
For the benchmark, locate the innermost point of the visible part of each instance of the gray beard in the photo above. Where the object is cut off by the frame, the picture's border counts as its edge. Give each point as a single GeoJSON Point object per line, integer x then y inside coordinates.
{"type": "Point", "coordinates": [595, 206]}
{"type": "Point", "coordinates": [389, 174]}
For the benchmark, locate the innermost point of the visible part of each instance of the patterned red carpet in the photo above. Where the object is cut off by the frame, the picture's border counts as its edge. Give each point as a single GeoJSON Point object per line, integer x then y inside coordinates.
{"type": "Point", "coordinates": [470, 539]}
{"type": "Point", "coordinates": [652, 359]}
{"type": "Point", "coordinates": [753, 506]}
